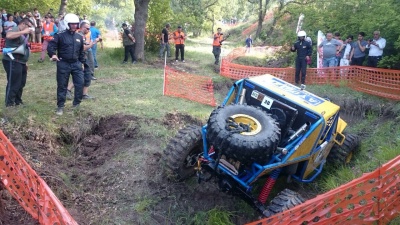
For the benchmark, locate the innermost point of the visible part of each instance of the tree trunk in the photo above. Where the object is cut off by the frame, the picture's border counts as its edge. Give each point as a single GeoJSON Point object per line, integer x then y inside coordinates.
{"type": "Point", "coordinates": [63, 7]}
{"type": "Point", "coordinates": [141, 15]}
{"type": "Point", "coordinates": [260, 18]}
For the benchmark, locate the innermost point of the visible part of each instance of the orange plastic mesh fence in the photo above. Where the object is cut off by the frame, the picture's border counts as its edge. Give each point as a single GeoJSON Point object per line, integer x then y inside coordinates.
{"type": "Point", "coordinates": [35, 47]}
{"type": "Point", "coordinates": [373, 198]}
{"type": "Point", "coordinates": [192, 87]}
{"type": "Point", "coordinates": [30, 190]}
{"type": "Point", "coordinates": [380, 82]}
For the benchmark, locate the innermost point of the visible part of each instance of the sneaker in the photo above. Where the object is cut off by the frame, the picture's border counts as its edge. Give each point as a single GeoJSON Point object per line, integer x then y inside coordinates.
{"type": "Point", "coordinates": [75, 106]}
{"type": "Point", "coordinates": [94, 78]}
{"type": "Point", "coordinates": [40, 60]}
{"type": "Point", "coordinates": [176, 60]}
{"type": "Point", "coordinates": [59, 111]}
{"type": "Point", "coordinates": [96, 67]}
{"type": "Point", "coordinates": [124, 62]}
{"type": "Point", "coordinates": [183, 61]}
{"type": "Point", "coordinates": [134, 62]}
{"type": "Point", "coordinates": [69, 95]}
{"type": "Point", "coordinates": [87, 97]}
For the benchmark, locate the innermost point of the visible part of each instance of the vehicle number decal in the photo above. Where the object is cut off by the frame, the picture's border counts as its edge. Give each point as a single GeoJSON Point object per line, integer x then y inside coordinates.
{"type": "Point", "coordinates": [254, 94]}
{"type": "Point", "coordinates": [267, 102]}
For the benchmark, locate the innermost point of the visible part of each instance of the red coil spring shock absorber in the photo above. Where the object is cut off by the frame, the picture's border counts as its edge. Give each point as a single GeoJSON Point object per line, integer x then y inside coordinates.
{"type": "Point", "coordinates": [269, 184]}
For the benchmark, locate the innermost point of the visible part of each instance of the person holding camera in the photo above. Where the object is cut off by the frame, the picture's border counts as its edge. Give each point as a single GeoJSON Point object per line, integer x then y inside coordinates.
{"type": "Point", "coordinates": [376, 46]}
{"type": "Point", "coordinates": [179, 37]}
{"type": "Point", "coordinates": [357, 54]}
{"type": "Point", "coordinates": [218, 39]}
{"type": "Point", "coordinates": [15, 65]}
{"type": "Point", "coordinates": [304, 52]}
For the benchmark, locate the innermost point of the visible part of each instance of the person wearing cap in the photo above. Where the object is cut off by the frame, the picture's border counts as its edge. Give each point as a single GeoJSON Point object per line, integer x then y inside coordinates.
{"type": "Point", "coordinates": [165, 41]}
{"type": "Point", "coordinates": [179, 37]}
{"type": "Point", "coordinates": [304, 52]}
{"type": "Point", "coordinates": [128, 41]}
{"type": "Point", "coordinates": [67, 49]}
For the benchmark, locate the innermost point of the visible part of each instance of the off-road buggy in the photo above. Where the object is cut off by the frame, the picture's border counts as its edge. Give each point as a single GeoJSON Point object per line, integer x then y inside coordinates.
{"type": "Point", "coordinates": [265, 126]}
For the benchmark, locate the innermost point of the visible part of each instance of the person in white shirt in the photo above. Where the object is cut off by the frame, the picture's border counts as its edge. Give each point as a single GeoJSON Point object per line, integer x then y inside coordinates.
{"type": "Point", "coordinates": [375, 46]}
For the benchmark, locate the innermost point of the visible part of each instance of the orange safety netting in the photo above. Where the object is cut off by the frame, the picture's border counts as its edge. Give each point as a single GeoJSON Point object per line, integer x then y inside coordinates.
{"type": "Point", "coordinates": [192, 87]}
{"type": "Point", "coordinates": [380, 82]}
{"type": "Point", "coordinates": [28, 188]}
{"type": "Point", "coordinates": [35, 47]}
{"type": "Point", "coordinates": [373, 198]}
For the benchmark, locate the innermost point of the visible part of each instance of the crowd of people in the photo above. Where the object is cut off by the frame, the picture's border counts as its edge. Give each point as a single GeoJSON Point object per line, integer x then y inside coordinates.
{"type": "Point", "coordinates": [69, 40]}
{"type": "Point", "coordinates": [337, 52]}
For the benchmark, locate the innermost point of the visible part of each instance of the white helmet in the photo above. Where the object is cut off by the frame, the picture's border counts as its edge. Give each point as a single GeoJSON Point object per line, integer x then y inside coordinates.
{"type": "Point", "coordinates": [71, 18]}
{"type": "Point", "coordinates": [301, 33]}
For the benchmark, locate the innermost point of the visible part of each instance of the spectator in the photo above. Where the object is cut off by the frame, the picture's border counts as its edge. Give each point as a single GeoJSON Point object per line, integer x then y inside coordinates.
{"type": "Point", "coordinates": [67, 48]}
{"type": "Point", "coordinates": [330, 49]}
{"type": "Point", "coordinates": [249, 43]}
{"type": "Point", "coordinates": [357, 54]}
{"type": "Point", "coordinates": [218, 39]}
{"type": "Point", "coordinates": [61, 24]}
{"type": "Point", "coordinates": [179, 37]}
{"type": "Point", "coordinates": [4, 16]}
{"type": "Point", "coordinates": [165, 41]}
{"type": "Point", "coordinates": [17, 18]}
{"type": "Point", "coordinates": [33, 21]}
{"type": "Point", "coordinates": [9, 23]}
{"type": "Point", "coordinates": [128, 42]}
{"type": "Point", "coordinates": [38, 29]}
{"type": "Point", "coordinates": [36, 13]}
{"type": "Point", "coordinates": [95, 37]}
{"type": "Point", "coordinates": [376, 46]}
{"type": "Point", "coordinates": [304, 52]}
{"type": "Point", "coordinates": [346, 49]}
{"type": "Point", "coordinates": [16, 69]}
{"type": "Point", "coordinates": [48, 31]}
{"type": "Point", "coordinates": [340, 48]}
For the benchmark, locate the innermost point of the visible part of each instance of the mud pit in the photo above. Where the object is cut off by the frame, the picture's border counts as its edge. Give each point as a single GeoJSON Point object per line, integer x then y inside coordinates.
{"type": "Point", "coordinates": [111, 173]}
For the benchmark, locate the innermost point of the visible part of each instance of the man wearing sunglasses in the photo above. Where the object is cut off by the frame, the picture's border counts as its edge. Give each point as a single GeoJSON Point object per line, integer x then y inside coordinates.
{"type": "Point", "coordinates": [15, 65]}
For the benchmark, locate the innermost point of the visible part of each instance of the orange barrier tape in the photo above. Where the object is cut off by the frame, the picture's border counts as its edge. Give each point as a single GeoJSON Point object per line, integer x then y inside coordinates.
{"type": "Point", "coordinates": [192, 87]}
{"type": "Point", "coordinates": [380, 82]}
{"type": "Point", "coordinates": [28, 188]}
{"type": "Point", "coordinates": [373, 198]}
{"type": "Point", "coordinates": [35, 47]}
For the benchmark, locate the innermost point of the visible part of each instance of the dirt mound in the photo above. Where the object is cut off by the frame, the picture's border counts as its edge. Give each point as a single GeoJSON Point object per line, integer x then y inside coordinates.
{"type": "Point", "coordinates": [178, 120]}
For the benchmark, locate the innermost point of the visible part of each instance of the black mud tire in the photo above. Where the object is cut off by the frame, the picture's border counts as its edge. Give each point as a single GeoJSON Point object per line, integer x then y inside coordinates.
{"type": "Point", "coordinates": [342, 155]}
{"type": "Point", "coordinates": [181, 153]}
{"type": "Point", "coordinates": [285, 200]}
{"type": "Point", "coordinates": [247, 147]}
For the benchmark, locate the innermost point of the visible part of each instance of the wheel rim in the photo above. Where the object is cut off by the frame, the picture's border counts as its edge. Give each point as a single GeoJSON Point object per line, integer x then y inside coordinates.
{"type": "Point", "coordinates": [254, 124]}
{"type": "Point", "coordinates": [348, 158]}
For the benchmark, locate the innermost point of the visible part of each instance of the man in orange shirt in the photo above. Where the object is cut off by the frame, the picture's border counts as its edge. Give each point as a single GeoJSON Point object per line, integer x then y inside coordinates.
{"type": "Point", "coordinates": [48, 31]}
{"type": "Point", "coordinates": [179, 38]}
{"type": "Point", "coordinates": [218, 39]}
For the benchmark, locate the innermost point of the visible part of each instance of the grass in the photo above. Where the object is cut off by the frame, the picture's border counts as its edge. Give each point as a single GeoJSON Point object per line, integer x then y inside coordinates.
{"type": "Point", "coordinates": [137, 90]}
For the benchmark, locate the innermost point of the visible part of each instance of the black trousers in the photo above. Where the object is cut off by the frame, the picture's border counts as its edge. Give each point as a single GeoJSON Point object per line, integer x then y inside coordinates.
{"type": "Point", "coordinates": [373, 61]}
{"type": "Point", "coordinates": [64, 69]}
{"type": "Point", "coordinates": [357, 61]}
{"type": "Point", "coordinates": [217, 52]}
{"type": "Point", "coordinates": [16, 80]}
{"type": "Point", "coordinates": [129, 49]}
{"type": "Point", "coordinates": [180, 48]}
{"type": "Point", "coordinates": [301, 66]}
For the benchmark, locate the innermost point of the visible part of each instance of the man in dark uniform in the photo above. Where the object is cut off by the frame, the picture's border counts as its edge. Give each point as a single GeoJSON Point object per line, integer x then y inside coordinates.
{"type": "Point", "coordinates": [67, 49]}
{"type": "Point", "coordinates": [304, 52]}
{"type": "Point", "coordinates": [15, 63]}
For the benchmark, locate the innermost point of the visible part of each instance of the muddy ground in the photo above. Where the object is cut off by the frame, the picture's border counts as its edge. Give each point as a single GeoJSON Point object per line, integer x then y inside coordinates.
{"type": "Point", "coordinates": [107, 171]}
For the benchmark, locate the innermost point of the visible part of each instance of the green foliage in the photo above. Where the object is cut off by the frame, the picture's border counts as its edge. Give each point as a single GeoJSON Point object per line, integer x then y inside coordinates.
{"type": "Point", "coordinates": [160, 13]}
{"type": "Point", "coordinates": [215, 216]}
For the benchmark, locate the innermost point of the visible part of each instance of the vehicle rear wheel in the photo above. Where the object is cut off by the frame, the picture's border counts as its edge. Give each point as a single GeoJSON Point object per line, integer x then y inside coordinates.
{"type": "Point", "coordinates": [285, 200]}
{"type": "Point", "coordinates": [343, 154]}
{"type": "Point", "coordinates": [182, 152]}
{"type": "Point", "coordinates": [244, 133]}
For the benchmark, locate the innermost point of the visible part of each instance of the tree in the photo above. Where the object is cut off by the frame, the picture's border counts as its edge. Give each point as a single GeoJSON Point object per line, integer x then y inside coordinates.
{"type": "Point", "coordinates": [262, 10]}
{"type": "Point", "coordinates": [141, 15]}
{"type": "Point", "coordinates": [63, 7]}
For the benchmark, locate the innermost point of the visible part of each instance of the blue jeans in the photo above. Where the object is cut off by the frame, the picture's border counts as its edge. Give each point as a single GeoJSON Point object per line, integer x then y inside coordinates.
{"type": "Point", "coordinates": [94, 52]}
{"type": "Point", "coordinates": [329, 62]}
{"type": "Point", "coordinates": [162, 49]}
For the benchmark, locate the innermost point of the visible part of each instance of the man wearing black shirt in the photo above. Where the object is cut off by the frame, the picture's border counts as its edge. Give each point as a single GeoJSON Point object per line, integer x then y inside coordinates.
{"type": "Point", "coordinates": [164, 41]}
